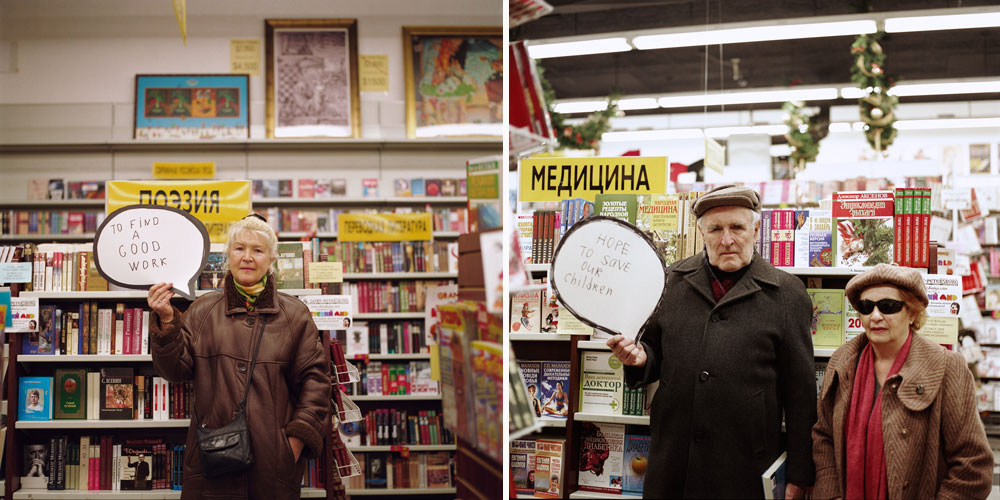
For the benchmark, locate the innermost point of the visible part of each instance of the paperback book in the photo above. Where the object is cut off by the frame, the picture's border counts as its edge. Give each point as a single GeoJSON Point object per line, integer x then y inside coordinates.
{"type": "Point", "coordinates": [635, 463]}
{"type": "Point", "coordinates": [522, 465]}
{"type": "Point", "coordinates": [554, 382]}
{"type": "Point", "coordinates": [602, 383]}
{"type": "Point", "coordinates": [864, 228]}
{"type": "Point", "coordinates": [34, 398]}
{"type": "Point", "coordinates": [549, 465]}
{"type": "Point", "coordinates": [602, 448]}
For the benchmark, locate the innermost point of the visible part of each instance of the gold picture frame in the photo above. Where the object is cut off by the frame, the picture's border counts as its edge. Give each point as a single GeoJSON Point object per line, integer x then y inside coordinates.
{"type": "Point", "coordinates": [312, 78]}
{"type": "Point", "coordinates": [460, 93]}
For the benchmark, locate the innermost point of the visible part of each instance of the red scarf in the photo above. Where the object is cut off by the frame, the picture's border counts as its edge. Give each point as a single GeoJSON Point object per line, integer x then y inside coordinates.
{"type": "Point", "coordinates": [866, 476]}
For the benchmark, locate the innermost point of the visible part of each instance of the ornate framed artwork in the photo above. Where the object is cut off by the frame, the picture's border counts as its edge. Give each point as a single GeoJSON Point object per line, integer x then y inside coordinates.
{"type": "Point", "coordinates": [192, 107]}
{"type": "Point", "coordinates": [454, 81]}
{"type": "Point", "coordinates": [312, 78]}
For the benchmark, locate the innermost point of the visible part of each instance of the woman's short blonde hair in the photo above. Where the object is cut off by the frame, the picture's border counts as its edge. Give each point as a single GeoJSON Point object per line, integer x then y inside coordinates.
{"type": "Point", "coordinates": [917, 309]}
{"type": "Point", "coordinates": [256, 227]}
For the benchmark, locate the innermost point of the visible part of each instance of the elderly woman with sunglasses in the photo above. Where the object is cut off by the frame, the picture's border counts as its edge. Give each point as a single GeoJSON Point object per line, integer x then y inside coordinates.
{"type": "Point", "coordinates": [897, 412]}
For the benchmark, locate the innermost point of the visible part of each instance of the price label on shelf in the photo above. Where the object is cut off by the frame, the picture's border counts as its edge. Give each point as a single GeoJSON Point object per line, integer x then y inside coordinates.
{"type": "Point", "coordinates": [403, 450]}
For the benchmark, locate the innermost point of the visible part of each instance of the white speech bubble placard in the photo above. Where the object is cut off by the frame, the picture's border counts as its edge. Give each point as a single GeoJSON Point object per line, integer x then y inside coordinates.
{"type": "Point", "coordinates": [608, 274]}
{"type": "Point", "coordinates": [139, 246]}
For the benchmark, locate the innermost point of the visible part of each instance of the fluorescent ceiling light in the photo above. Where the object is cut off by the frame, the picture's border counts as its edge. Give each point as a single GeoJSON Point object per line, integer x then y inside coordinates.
{"type": "Point", "coordinates": [580, 106]}
{"type": "Point", "coordinates": [912, 89]}
{"type": "Point", "coordinates": [840, 127]}
{"type": "Point", "coordinates": [578, 48]}
{"type": "Point", "coordinates": [653, 135]}
{"type": "Point", "coordinates": [638, 103]}
{"type": "Point", "coordinates": [945, 22]}
{"type": "Point", "coordinates": [718, 132]}
{"type": "Point", "coordinates": [780, 150]}
{"type": "Point", "coordinates": [753, 34]}
{"type": "Point", "coordinates": [947, 123]}
{"type": "Point", "coordinates": [718, 99]}
{"type": "Point", "coordinates": [852, 93]}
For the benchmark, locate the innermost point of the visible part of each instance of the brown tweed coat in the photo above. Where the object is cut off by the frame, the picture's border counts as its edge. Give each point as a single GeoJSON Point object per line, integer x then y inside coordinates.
{"type": "Point", "coordinates": [935, 445]}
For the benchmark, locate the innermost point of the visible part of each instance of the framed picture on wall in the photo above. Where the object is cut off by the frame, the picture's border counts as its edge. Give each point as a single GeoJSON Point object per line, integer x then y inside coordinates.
{"type": "Point", "coordinates": [312, 78]}
{"type": "Point", "coordinates": [454, 81]}
{"type": "Point", "coordinates": [192, 107]}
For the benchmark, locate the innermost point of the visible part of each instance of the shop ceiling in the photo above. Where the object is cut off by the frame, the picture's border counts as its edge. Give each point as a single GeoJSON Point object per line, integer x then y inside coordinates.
{"type": "Point", "coordinates": [935, 55]}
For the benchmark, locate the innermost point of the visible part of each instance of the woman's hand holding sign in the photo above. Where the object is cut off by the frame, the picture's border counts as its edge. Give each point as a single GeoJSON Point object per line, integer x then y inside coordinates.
{"type": "Point", "coordinates": [627, 351]}
{"type": "Point", "coordinates": [159, 301]}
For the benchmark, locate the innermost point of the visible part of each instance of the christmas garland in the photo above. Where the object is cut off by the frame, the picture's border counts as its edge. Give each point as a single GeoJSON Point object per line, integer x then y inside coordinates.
{"type": "Point", "coordinates": [588, 134]}
{"type": "Point", "coordinates": [804, 133]}
{"type": "Point", "coordinates": [877, 108]}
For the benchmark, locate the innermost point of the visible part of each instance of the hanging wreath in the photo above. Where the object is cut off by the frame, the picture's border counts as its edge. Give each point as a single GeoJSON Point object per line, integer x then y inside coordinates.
{"type": "Point", "coordinates": [877, 108]}
{"type": "Point", "coordinates": [588, 134]}
{"type": "Point", "coordinates": [804, 132]}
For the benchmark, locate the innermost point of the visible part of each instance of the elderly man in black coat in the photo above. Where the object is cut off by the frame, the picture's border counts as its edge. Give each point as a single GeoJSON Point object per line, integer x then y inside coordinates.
{"type": "Point", "coordinates": [732, 351]}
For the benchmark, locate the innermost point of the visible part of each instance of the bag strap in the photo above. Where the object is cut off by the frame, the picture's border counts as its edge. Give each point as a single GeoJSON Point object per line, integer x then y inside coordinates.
{"type": "Point", "coordinates": [253, 362]}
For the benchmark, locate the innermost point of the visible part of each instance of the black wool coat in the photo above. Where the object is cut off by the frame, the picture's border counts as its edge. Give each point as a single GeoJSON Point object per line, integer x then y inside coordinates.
{"type": "Point", "coordinates": [726, 373]}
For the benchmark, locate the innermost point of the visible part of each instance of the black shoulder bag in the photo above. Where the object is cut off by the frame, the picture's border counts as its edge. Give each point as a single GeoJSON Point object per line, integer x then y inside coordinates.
{"type": "Point", "coordinates": [227, 449]}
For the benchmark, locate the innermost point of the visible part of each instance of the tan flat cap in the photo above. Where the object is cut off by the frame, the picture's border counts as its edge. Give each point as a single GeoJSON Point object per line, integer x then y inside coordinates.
{"type": "Point", "coordinates": [904, 278]}
{"type": "Point", "coordinates": [725, 196]}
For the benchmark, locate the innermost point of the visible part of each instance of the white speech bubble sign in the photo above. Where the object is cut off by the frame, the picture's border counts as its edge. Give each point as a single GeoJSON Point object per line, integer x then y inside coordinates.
{"type": "Point", "coordinates": [608, 274]}
{"type": "Point", "coordinates": [139, 246]}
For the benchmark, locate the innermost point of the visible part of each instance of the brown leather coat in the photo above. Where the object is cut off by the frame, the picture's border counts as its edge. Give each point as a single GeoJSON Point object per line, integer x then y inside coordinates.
{"type": "Point", "coordinates": [212, 344]}
{"type": "Point", "coordinates": [934, 442]}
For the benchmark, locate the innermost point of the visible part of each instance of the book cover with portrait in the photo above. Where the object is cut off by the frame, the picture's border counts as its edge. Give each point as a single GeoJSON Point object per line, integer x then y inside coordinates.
{"type": "Point", "coordinates": [554, 389]}
{"type": "Point", "coordinates": [34, 398]}
{"type": "Point", "coordinates": [35, 466]}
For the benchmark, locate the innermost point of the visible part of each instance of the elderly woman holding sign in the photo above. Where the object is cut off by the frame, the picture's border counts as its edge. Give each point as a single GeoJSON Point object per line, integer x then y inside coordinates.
{"type": "Point", "coordinates": [247, 343]}
{"type": "Point", "coordinates": [897, 412]}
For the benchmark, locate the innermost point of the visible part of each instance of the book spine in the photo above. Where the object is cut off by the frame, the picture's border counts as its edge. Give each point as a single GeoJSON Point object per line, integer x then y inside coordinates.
{"type": "Point", "coordinates": [925, 237]}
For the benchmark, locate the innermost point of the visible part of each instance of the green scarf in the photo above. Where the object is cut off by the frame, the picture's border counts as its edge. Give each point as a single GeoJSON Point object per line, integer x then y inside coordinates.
{"type": "Point", "coordinates": [252, 292]}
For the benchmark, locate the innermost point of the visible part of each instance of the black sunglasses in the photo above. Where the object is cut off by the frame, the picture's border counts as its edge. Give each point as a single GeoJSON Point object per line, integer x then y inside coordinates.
{"type": "Point", "coordinates": [885, 306]}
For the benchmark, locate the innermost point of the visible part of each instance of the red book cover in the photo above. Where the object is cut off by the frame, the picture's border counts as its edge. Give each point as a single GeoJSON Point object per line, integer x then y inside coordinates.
{"type": "Point", "coordinates": [75, 224]}
{"type": "Point", "coordinates": [925, 236]}
{"type": "Point", "coordinates": [908, 245]}
{"type": "Point", "coordinates": [897, 244]}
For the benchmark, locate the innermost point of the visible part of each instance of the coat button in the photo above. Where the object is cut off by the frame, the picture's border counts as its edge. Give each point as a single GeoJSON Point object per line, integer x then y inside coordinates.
{"type": "Point", "coordinates": [920, 389]}
{"type": "Point", "coordinates": [703, 376]}
{"type": "Point", "coordinates": [904, 432]}
{"type": "Point", "coordinates": [241, 367]}
{"type": "Point", "coordinates": [249, 321]}
{"type": "Point", "coordinates": [894, 387]}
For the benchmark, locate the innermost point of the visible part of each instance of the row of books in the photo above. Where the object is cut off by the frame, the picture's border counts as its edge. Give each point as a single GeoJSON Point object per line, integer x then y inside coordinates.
{"type": "Point", "coordinates": [471, 369]}
{"type": "Point", "coordinates": [538, 467]}
{"type": "Point", "coordinates": [390, 296]}
{"type": "Point", "coordinates": [315, 474]}
{"type": "Point", "coordinates": [393, 257]}
{"type": "Point", "coordinates": [61, 189]}
{"type": "Point", "coordinates": [29, 222]}
{"type": "Point", "coordinates": [388, 427]}
{"type": "Point", "coordinates": [392, 337]}
{"type": "Point", "coordinates": [91, 463]}
{"type": "Point", "coordinates": [325, 220]}
{"type": "Point", "coordinates": [89, 329]}
{"type": "Point", "coordinates": [802, 192]}
{"type": "Point", "coordinates": [113, 393]}
{"type": "Point", "coordinates": [380, 378]}
{"type": "Point", "coordinates": [392, 471]}
{"type": "Point", "coordinates": [988, 396]}
{"type": "Point", "coordinates": [534, 311]}
{"type": "Point", "coordinates": [429, 187]}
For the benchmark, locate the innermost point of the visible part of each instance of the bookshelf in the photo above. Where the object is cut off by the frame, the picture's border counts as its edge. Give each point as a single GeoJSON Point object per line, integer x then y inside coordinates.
{"type": "Point", "coordinates": [395, 398]}
{"type": "Point", "coordinates": [407, 447]}
{"type": "Point", "coordinates": [539, 337]}
{"type": "Point", "coordinates": [104, 424]}
{"type": "Point", "coordinates": [402, 491]}
{"type": "Point", "coordinates": [398, 276]}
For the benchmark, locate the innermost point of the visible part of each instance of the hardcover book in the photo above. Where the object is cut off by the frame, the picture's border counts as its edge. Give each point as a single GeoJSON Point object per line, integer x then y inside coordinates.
{"type": "Point", "coordinates": [621, 206]}
{"type": "Point", "coordinates": [117, 393]}
{"type": "Point", "coordinates": [658, 216]}
{"type": "Point", "coordinates": [602, 380]}
{"type": "Point", "coordinates": [813, 238]}
{"type": "Point", "coordinates": [34, 398]}
{"type": "Point", "coordinates": [375, 473]}
{"type": "Point", "coordinates": [635, 463]}
{"type": "Point", "coordinates": [827, 326]}
{"type": "Point", "coordinates": [864, 233]}
{"type": "Point", "coordinates": [417, 187]}
{"type": "Point", "coordinates": [554, 384]}
{"type": "Point", "coordinates": [338, 187]}
{"type": "Point", "coordinates": [522, 465]}
{"type": "Point", "coordinates": [773, 479]}
{"type": "Point", "coordinates": [42, 340]}
{"type": "Point", "coordinates": [290, 270]}
{"type": "Point", "coordinates": [70, 388]}
{"type": "Point", "coordinates": [36, 465]}
{"type": "Point", "coordinates": [602, 449]}
{"type": "Point", "coordinates": [438, 470]}
{"type": "Point", "coordinates": [369, 188]}
{"type": "Point", "coordinates": [432, 187]}
{"type": "Point", "coordinates": [550, 312]}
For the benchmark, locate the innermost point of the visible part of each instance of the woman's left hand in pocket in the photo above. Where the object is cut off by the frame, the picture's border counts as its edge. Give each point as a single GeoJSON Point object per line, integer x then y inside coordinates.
{"type": "Point", "coordinates": [296, 445]}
